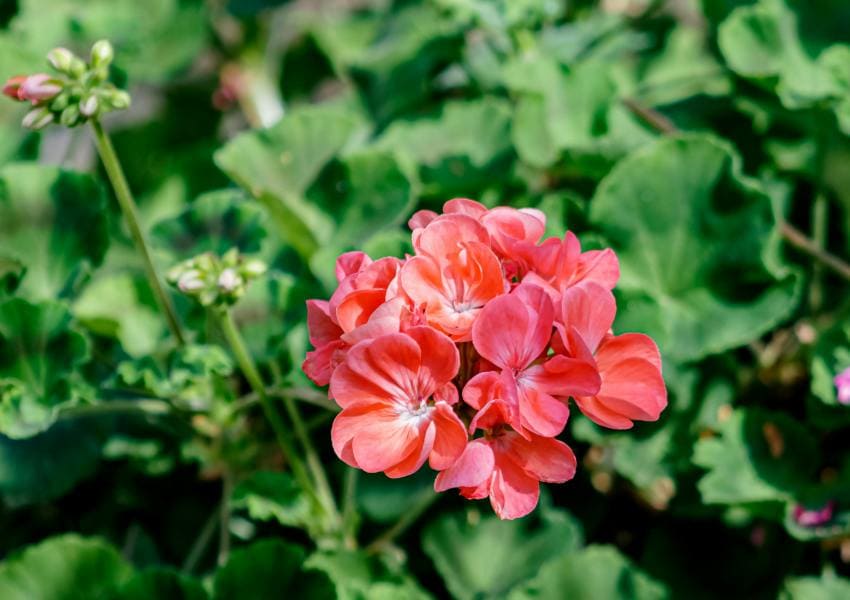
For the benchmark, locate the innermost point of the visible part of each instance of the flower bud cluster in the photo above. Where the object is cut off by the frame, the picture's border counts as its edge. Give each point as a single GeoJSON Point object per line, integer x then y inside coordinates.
{"type": "Point", "coordinates": [214, 280]}
{"type": "Point", "coordinates": [79, 90]}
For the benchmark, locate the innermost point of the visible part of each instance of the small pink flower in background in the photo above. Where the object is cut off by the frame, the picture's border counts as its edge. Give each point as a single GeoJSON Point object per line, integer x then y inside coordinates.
{"type": "Point", "coordinates": [842, 386]}
{"type": "Point", "coordinates": [466, 354]}
{"type": "Point", "coordinates": [814, 517]}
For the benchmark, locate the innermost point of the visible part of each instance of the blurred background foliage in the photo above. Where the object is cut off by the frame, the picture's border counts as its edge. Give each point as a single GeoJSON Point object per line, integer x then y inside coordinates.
{"type": "Point", "coordinates": [706, 141]}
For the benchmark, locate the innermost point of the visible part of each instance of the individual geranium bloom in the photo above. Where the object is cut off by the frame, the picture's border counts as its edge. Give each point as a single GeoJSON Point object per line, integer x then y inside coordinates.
{"type": "Point", "coordinates": [508, 468]}
{"type": "Point", "coordinates": [325, 337]}
{"type": "Point", "coordinates": [558, 264]}
{"type": "Point", "coordinates": [842, 386]}
{"type": "Point", "coordinates": [629, 364]}
{"type": "Point", "coordinates": [513, 332]}
{"type": "Point", "coordinates": [396, 394]}
{"type": "Point", "coordinates": [346, 319]}
{"type": "Point", "coordinates": [510, 230]}
{"type": "Point", "coordinates": [454, 274]}
{"type": "Point", "coordinates": [513, 230]}
{"type": "Point", "coordinates": [362, 291]}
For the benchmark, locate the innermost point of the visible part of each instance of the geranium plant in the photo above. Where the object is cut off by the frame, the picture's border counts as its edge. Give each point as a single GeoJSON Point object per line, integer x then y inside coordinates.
{"type": "Point", "coordinates": [328, 299]}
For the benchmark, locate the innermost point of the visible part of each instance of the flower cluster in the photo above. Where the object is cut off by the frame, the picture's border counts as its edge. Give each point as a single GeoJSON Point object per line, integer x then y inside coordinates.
{"type": "Point", "coordinates": [78, 92]}
{"type": "Point", "coordinates": [465, 354]}
{"type": "Point", "coordinates": [215, 280]}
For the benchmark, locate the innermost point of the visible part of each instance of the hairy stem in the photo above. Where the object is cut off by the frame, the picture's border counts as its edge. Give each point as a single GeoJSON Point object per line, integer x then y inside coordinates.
{"type": "Point", "coordinates": [798, 239]}
{"type": "Point", "coordinates": [131, 217]}
{"type": "Point", "coordinates": [252, 374]}
{"type": "Point", "coordinates": [323, 488]}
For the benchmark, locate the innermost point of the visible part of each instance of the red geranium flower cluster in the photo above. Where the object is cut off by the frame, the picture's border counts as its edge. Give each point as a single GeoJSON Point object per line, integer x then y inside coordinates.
{"type": "Point", "coordinates": [465, 355]}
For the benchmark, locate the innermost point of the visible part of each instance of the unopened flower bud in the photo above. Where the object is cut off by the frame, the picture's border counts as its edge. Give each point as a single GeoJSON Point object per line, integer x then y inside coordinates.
{"type": "Point", "coordinates": [117, 99]}
{"type": "Point", "coordinates": [70, 116]}
{"type": "Point", "coordinates": [39, 87]}
{"type": "Point", "coordinates": [254, 267]}
{"type": "Point", "coordinates": [229, 280]}
{"type": "Point", "coordinates": [60, 102]}
{"type": "Point", "coordinates": [190, 282]}
{"type": "Point", "coordinates": [12, 87]}
{"type": "Point", "coordinates": [101, 54]}
{"type": "Point", "coordinates": [37, 118]}
{"type": "Point", "coordinates": [61, 59]}
{"type": "Point", "coordinates": [89, 106]}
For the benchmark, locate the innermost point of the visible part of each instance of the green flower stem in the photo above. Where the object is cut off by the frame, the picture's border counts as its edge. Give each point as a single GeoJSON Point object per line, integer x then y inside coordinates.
{"type": "Point", "coordinates": [404, 522]}
{"type": "Point", "coordinates": [313, 462]}
{"type": "Point", "coordinates": [131, 216]}
{"type": "Point", "coordinates": [349, 507]}
{"type": "Point", "coordinates": [201, 542]}
{"type": "Point", "coordinates": [224, 517]}
{"type": "Point", "coordinates": [252, 374]}
{"type": "Point", "coordinates": [145, 406]}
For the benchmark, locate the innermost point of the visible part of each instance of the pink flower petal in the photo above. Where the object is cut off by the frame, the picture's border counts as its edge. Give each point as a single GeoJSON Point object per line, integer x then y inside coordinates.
{"type": "Point", "coordinates": [471, 469]}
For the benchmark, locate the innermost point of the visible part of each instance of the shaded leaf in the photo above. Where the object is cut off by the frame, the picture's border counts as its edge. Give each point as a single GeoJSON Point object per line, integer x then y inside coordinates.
{"type": "Point", "coordinates": [39, 352]}
{"type": "Point", "coordinates": [484, 557]}
{"type": "Point", "coordinates": [269, 569]}
{"type": "Point", "coordinates": [595, 573]}
{"type": "Point", "coordinates": [693, 239]}
{"type": "Point", "coordinates": [278, 164]}
{"type": "Point", "coordinates": [53, 222]}
{"type": "Point", "coordinates": [759, 456]}
{"type": "Point", "coordinates": [271, 495]}
{"type": "Point", "coordinates": [63, 567]}
{"type": "Point", "coordinates": [160, 584]}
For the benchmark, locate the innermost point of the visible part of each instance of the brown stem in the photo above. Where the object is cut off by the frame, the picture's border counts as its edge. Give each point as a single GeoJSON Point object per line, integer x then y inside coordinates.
{"type": "Point", "coordinates": [799, 240]}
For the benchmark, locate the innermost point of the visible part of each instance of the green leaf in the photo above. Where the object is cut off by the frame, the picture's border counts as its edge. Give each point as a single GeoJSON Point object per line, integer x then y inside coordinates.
{"type": "Point", "coordinates": [484, 557]}
{"type": "Point", "coordinates": [269, 569]}
{"type": "Point", "coordinates": [62, 568]}
{"type": "Point", "coordinates": [54, 222]}
{"type": "Point", "coordinates": [271, 495]}
{"type": "Point", "coordinates": [576, 111]}
{"type": "Point", "coordinates": [367, 192]}
{"type": "Point", "coordinates": [826, 587]}
{"type": "Point", "coordinates": [396, 72]}
{"type": "Point", "coordinates": [215, 222]}
{"type": "Point", "coordinates": [39, 352]}
{"type": "Point", "coordinates": [196, 376]}
{"type": "Point", "coordinates": [595, 573]}
{"type": "Point", "coordinates": [759, 456]}
{"type": "Point", "coordinates": [110, 306]}
{"type": "Point", "coordinates": [48, 465]}
{"type": "Point", "coordinates": [693, 239]}
{"type": "Point", "coordinates": [358, 576]}
{"type": "Point", "coordinates": [159, 584]}
{"type": "Point", "coordinates": [278, 164]}
{"type": "Point", "coordinates": [467, 145]}
{"type": "Point", "coordinates": [762, 42]}
{"type": "Point", "coordinates": [684, 69]}
{"type": "Point", "coordinates": [831, 356]}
